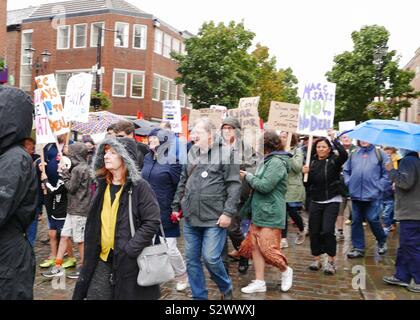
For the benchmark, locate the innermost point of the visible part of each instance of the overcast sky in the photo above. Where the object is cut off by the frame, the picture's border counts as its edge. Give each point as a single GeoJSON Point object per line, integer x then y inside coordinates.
{"type": "Point", "coordinates": [302, 34]}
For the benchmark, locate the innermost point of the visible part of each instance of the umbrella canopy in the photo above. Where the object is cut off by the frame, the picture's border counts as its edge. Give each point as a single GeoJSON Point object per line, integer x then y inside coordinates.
{"type": "Point", "coordinates": [98, 122]}
{"type": "Point", "coordinates": [144, 127]}
{"type": "Point", "coordinates": [388, 133]}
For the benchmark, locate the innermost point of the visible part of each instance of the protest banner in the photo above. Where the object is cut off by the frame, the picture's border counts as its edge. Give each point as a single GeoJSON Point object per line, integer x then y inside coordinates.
{"type": "Point", "coordinates": [221, 108]}
{"type": "Point", "coordinates": [283, 116]}
{"type": "Point", "coordinates": [78, 93]}
{"type": "Point", "coordinates": [53, 106]}
{"type": "Point", "coordinates": [43, 131]}
{"type": "Point", "coordinates": [346, 125]}
{"type": "Point", "coordinates": [317, 107]}
{"type": "Point", "coordinates": [171, 112]}
{"type": "Point", "coordinates": [214, 115]}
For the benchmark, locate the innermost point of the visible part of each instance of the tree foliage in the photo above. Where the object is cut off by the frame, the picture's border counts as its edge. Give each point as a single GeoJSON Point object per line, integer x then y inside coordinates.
{"type": "Point", "coordinates": [369, 71]}
{"type": "Point", "coordinates": [217, 69]}
{"type": "Point", "coordinates": [272, 84]}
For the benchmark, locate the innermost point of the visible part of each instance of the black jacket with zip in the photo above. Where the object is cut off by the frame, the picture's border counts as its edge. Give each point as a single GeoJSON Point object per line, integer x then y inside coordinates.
{"type": "Point", "coordinates": [324, 175]}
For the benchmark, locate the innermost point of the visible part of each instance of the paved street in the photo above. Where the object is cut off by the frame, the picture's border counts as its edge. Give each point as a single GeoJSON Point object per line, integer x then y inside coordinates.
{"type": "Point", "coordinates": [307, 285]}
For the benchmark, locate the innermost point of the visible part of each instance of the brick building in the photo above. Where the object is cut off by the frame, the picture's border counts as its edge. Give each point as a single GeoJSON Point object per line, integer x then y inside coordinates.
{"type": "Point", "coordinates": [3, 19]}
{"type": "Point", "coordinates": [413, 114]}
{"type": "Point", "coordinates": [138, 72]}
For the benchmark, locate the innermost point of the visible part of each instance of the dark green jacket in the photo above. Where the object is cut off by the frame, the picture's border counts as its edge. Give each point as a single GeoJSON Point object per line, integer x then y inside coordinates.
{"type": "Point", "coordinates": [269, 184]}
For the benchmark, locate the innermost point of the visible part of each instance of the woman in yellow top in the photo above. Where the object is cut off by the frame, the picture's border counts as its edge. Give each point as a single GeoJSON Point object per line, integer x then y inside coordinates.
{"type": "Point", "coordinates": [110, 269]}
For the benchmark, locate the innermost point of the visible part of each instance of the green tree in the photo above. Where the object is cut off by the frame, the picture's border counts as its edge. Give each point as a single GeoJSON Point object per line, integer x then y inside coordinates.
{"type": "Point", "coordinates": [369, 71]}
{"type": "Point", "coordinates": [217, 68]}
{"type": "Point", "coordinates": [272, 84]}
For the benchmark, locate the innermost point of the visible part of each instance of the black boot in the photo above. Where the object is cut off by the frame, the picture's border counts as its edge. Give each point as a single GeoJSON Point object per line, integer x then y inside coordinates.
{"type": "Point", "coordinates": [243, 265]}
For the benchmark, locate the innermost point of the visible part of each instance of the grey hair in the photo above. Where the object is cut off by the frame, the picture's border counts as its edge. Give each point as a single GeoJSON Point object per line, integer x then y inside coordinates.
{"type": "Point", "coordinates": [207, 125]}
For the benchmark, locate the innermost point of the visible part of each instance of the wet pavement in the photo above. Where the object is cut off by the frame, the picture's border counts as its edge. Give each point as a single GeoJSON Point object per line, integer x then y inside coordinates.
{"type": "Point", "coordinates": [357, 279]}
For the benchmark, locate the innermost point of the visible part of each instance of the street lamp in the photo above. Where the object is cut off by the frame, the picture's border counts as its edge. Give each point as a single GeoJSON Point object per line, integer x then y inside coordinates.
{"type": "Point", "coordinates": [96, 101]}
{"type": "Point", "coordinates": [40, 62]}
{"type": "Point", "coordinates": [378, 54]}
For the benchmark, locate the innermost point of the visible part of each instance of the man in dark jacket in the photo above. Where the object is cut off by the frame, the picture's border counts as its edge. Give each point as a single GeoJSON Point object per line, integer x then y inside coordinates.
{"type": "Point", "coordinates": [208, 192]}
{"type": "Point", "coordinates": [126, 129]}
{"type": "Point", "coordinates": [246, 158]}
{"type": "Point", "coordinates": [18, 196]}
{"type": "Point", "coordinates": [407, 210]}
{"type": "Point", "coordinates": [366, 178]}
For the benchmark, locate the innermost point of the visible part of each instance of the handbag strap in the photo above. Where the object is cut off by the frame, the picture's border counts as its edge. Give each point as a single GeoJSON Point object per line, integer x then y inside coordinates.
{"type": "Point", "coordinates": [130, 215]}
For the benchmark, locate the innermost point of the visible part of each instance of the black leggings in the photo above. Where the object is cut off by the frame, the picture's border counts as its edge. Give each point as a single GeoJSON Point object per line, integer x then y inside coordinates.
{"type": "Point", "coordinates": [322, 220]}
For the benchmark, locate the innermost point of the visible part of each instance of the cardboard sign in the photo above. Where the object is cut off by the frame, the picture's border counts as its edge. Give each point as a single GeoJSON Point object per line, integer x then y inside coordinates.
{"type": "Point", "coordinates": [77, 103]}
{"type": "Point", "coordinates": [346, 125]}
{"type": "Point", "coordinates": [317, 107]}
{"type": "Point", "coordinates": [249, 102]}
{"type": "Point", "coordinates": [221, 108]}
{"type": "Point", "coordinates": [51, 100]}
{"type": "Point", "coordinates": [171, 112]}
{"type": "Point", "coordinates": [283, 116]}
{"type": "Point", "coordinates": [214, 115]}
{"type": "Point", "coordinates": [43, 132]}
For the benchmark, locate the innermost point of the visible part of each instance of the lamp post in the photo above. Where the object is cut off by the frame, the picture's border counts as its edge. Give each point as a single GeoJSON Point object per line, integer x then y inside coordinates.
{"type": "Point", "coordinates": [96, 101]}
{"type": "Point", "coordinates": [40, 62]}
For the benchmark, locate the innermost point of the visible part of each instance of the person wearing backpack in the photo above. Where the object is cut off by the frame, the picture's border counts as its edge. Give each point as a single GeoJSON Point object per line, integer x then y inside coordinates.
{"type": "Point", "coordinates": [366, 178]}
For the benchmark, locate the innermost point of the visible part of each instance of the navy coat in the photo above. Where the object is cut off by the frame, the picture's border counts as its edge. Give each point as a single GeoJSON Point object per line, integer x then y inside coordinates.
{"type": "Point", "coordinates": [163, 178]}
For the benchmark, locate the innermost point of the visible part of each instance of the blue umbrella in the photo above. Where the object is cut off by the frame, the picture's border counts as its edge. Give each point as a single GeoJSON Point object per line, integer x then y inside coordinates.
{"type": "Point", "coordinates": [391, 133]}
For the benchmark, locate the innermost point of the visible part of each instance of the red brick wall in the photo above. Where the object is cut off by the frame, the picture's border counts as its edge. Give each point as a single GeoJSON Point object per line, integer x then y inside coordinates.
{"type": "Point", "coordinates": [45, 37]}
{"type": "Point", "coordinates": [3, 27]}
{"type": "Point", "coordinates": [13, 55]}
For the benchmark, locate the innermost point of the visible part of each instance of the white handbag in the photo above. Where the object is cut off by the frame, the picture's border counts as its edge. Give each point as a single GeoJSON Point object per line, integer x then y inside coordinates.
{"type": "Point", "coordinates": [154, 264]}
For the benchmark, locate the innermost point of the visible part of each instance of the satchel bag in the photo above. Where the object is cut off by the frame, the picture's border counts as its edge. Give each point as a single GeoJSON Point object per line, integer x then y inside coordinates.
{"type": "Point", "coordinates": [154, 264]}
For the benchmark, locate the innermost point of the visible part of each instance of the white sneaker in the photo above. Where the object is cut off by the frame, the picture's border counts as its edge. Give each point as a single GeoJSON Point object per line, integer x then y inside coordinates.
{"type": "Point", "coordinates": [182, 283]}
{"type": "Point", "coordinates": [284, 243]}
{"type": "Point", "coordinates": [255, 286]}
{"type": "Point", "coordinates": [286, 279]}
{"type": "Point", "coordinates": [300, 237]}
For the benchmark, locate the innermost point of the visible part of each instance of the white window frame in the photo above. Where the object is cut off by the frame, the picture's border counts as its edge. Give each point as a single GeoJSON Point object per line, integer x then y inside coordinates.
{"type": "Point", "coordinates": [77, 71]}
{"type": "Point", "coordinates": [137, 73]}
{"type": "Point", "coordinates": [172, 85]}
{"type": "Point", "coordinates": [125, 83]}
{"type": "Point", "coordinates": [158, 88]}
{"type": "Point", "coordinates": [125, 37]}
{"type": "Point", "coordinates": [166, 96]}
{"type": "Point", "coordinates": [25, 68]}
{"type": "Point", "coordinates": [177, 49]}
{"type": "Point", "coordinates": [75, 35]}
{"type": "Point", "coordinates": [182, 94]}
{"type": "Point", "coordinates": [143, 37]}
{"type": "Point", "coordinates": [92, 28]}
{"type": "Point", "coordinates": [68, 27]}
{"type": "Point", "coordinates": [155, 48]}
{"type": "Point", "coordinates": [167, 46]}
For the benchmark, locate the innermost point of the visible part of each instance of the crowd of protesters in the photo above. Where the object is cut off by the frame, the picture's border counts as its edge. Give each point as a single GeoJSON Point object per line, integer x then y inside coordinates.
{"type": "Point", "coordinates": [217, 185]}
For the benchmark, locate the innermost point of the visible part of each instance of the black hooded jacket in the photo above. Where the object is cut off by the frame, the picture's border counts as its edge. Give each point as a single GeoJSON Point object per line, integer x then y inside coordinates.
{"type": "Point", "coordinates": [126, 248]}
{"type": "Point", "coordinates": [18, 195]}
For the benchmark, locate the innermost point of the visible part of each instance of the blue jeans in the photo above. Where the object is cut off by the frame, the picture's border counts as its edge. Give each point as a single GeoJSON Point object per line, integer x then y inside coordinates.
{"type": "Point", "coordinates": [388, 212]}
{"type": "Point", "coordinates": [206, 242]}
{"type": "Point", "coordinates": [408, 255]}
{"type": "Point", "coordinates": [368, 210]}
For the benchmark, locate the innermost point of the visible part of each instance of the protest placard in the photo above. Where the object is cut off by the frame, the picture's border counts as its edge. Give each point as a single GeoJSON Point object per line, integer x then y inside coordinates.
{"type": "Point", "coordinates": [346, 125]}
{"type": "Point", "coordinates": [43, 130]}
{"type": "Point", "coordinates": [283, 116]}
{"type": "Point", "coordinates": [221, 108]}
{"type": "Point", "coordinates": [317, 107]}
{"type": "Point", "coordinates": [53, 106]}
{"type": "Point", "coordinates": [214, 115]}
{"type": "Point", "coordinates": [78, 93]}
{"type": "Point", "coordinates": [171, 112]}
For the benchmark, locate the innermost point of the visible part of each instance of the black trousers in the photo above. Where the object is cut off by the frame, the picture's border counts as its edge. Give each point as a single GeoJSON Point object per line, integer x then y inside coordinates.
{"type": "Point", "coordinates": [294, 214]}
{"type": "Point", "coordinates": [322, 220]}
